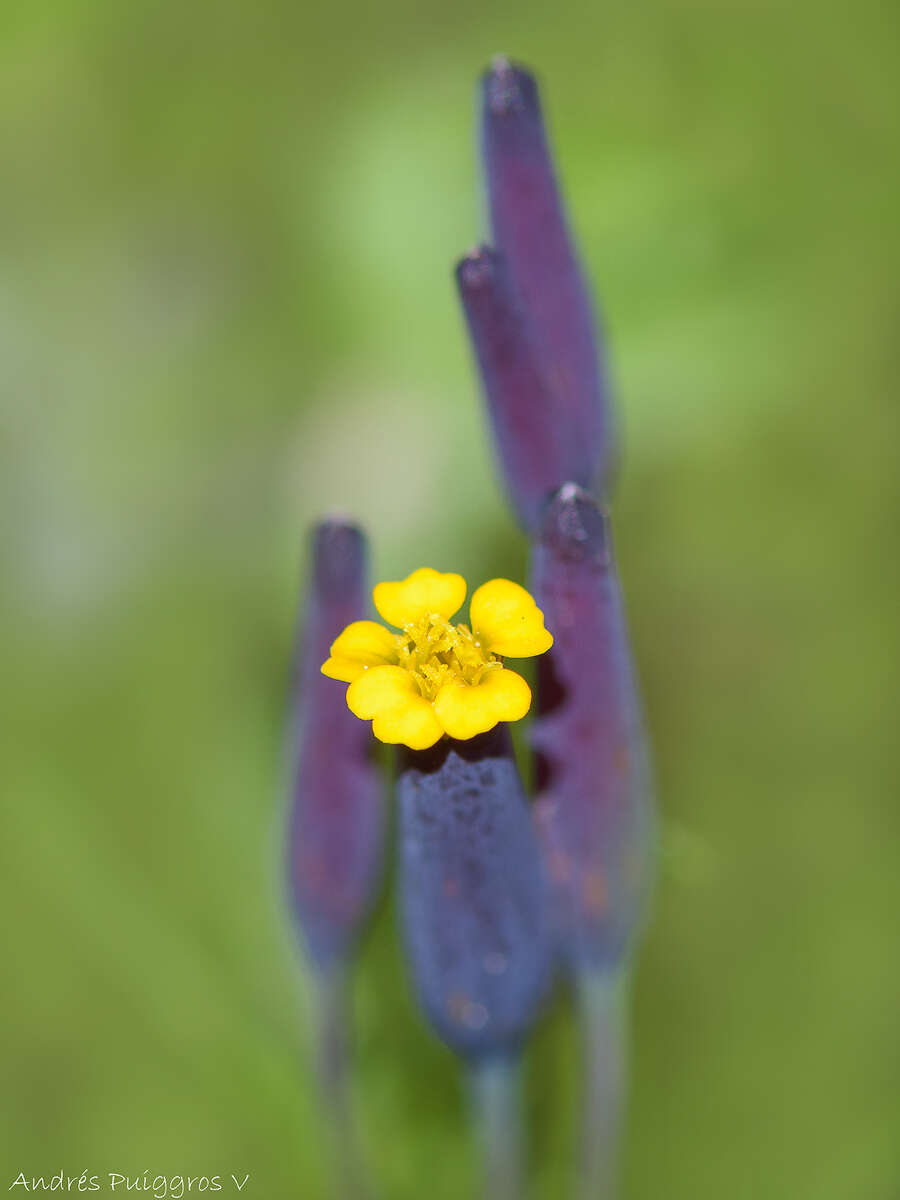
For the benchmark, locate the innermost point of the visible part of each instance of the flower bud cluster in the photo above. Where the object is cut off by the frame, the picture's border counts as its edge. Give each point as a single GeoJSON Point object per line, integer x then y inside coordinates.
{"type": "Point", "coordinates": [493, 891]}
{"type": "Point", "coordinates": [533, 333]}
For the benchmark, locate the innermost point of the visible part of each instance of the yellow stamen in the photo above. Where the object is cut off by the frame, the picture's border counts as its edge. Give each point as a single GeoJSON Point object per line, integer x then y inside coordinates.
{"type": "Point", "coordinates": [436, 652]}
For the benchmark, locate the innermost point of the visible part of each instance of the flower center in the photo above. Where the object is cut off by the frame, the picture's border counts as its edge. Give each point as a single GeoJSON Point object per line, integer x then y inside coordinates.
{"type": "Point", "coordinates": [436, 652]}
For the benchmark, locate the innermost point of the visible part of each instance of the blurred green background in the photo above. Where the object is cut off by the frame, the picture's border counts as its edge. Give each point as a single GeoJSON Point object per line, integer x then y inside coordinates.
{"type": "Point", "coordinates": [226, 235]}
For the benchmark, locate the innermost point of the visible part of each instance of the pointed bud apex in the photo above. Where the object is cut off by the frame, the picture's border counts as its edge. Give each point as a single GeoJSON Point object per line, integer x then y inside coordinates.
{"type": "Point", "coordinates": [594, 806]}
{"type": "Point", "coordinates": [529, 228]}
{"type": "Point", "coordinates": [531, 441]}
{"type": "Point", "coordinates": [336, 826]}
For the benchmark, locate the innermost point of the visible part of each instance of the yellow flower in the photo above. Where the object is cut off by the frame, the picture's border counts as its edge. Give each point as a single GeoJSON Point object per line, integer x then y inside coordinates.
{"type": "Point", "coordinates": [436, 677]}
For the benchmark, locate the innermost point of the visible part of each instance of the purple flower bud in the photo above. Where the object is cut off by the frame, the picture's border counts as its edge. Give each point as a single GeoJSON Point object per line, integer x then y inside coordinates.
{"type": "Point", "coordinates": [594, 809]}
{"type": "Point", "coordinates": [336, 819]}
{"type": "Point", "coordinates": [472, 893]}
{"type": "Point", "coordinates": [529, 228]}
{"type": "Point", "coordinates": [533, 445]}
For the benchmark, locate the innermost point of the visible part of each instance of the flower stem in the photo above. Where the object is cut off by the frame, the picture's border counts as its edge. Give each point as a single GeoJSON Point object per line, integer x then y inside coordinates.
{"type": "Point", "coordinates": [333, 1075]}
{"type": "Point", "coordinates": [494, 1085]}
{"type": "Point", "coordinates": [601, 1010]}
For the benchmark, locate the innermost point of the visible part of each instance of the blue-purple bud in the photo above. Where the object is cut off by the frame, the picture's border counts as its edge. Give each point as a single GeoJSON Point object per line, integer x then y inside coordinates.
{"type": "Point", "coordinates": [594, 808]}
{"type": "Point", "coordinates": [336, 818]}
{"type": "Point", "coordinates": [529, 228]}
{"type": "Point", "coordinates": [473, 895]}
{"type": "Point", "coordinates": [532, 445]}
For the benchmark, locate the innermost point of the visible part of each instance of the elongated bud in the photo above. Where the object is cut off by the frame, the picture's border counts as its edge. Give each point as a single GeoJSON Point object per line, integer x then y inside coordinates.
{"type": "Point", "coordinates": [336, 819]}
{"type": "Point", "coordinates": [532, 443]}
{"type": "Point", "coordinates": [594, 808]}
{"type": "Point", "coordinates": [529, 227]}
{"type": "Point", "coordinates": [472, 893]}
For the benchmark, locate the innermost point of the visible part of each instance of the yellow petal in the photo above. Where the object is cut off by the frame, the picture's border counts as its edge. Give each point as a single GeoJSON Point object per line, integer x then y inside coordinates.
{"type": "Point", "coordinates": [389, 698]}
{"type": "Point", "coordinates": [345, 669]}
{"type": "Point", "coordinates": [415, 725]}
{"type": "Point", "coordinates": [379, 689]}
{"type": "Point", "coordinates": [507, 621]}
{"type": "Point", "coordinates": [362, 644]}
{"type": "Point", "coordinates": [421, 594]}
{"type": "Point", "coordinates": [465, 709]}
{"type": "Point", "coordinates": [368, 643]}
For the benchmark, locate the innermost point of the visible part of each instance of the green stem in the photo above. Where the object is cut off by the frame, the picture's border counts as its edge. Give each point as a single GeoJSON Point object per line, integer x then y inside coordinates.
{"type": "Point", "coordinates": [494, 1085]}
{"type": "Point", "coordinates": [601, 1003]}
{"type": "Point", "coordinates": [332, 1056]}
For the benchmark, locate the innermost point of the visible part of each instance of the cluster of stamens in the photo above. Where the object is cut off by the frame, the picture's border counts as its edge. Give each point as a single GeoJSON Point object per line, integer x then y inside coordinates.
{"type": "Point", "coordinates": [435, 652]}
